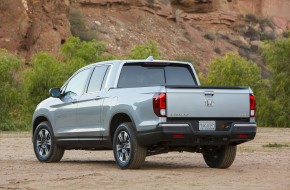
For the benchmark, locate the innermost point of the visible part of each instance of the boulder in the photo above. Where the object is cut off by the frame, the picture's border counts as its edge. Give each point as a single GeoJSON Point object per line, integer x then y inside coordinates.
{"type": "Point", "coordinates": [241, 42]}
{"type": "Point", "coordinates": [267, 30]}
{"type": "Point", "coordinates": [256, 43]}
{"type": "Point", "coordinates": [228, 17]}
{"type": "Point", "coordinates": [280, 22]}
{"type": "Point", "coordinates": [164, 11]}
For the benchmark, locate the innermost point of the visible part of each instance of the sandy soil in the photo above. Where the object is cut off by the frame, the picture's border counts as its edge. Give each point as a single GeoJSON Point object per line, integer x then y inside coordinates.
{"type": "Point", "coordinates": [255, 167]}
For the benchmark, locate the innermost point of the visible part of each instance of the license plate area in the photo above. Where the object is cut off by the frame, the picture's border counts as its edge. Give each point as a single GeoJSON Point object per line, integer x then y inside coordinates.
{"type": "Point", "coordinates": [207, 125]}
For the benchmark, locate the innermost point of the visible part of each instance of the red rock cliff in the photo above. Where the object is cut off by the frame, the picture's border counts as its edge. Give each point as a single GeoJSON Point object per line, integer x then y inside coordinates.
{"type": "Point", "coordinates": [29, 26]}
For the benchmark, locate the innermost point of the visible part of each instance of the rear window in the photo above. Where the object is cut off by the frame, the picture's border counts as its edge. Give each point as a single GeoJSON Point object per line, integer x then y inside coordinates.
{"type": "Point", "coordinates": [137, 75]}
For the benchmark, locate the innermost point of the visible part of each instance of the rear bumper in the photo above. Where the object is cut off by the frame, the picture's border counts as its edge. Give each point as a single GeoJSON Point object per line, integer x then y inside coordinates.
{"type": "Point", "coordinates": [182, 134]}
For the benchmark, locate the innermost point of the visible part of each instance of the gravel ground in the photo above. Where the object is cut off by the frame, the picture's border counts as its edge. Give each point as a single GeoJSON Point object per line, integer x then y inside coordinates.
{"type": "Point", "coordinates": [255, 167]}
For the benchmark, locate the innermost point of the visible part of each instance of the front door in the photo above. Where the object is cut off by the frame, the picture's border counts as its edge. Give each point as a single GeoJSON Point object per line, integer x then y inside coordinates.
{"type": "Point", "coordinates": [65, 108]}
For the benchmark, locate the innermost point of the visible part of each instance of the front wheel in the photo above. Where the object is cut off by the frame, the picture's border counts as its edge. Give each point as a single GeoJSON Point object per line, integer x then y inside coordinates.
{"type": "Point", "coordinates": [45, 148]}
{"type": "Point", "coordinates": [127, 151]}
{"type": "Point", "coordinates": [221, 157]}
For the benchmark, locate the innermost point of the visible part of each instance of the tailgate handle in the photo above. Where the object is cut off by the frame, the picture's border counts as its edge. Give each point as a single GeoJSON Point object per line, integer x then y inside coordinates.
{"type": "Point", "coordinates": [208, 93]}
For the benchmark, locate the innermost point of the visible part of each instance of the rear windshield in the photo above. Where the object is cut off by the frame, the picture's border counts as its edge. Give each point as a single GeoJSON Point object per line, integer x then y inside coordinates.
{"type": "Point", "coordinates": [138, 75]}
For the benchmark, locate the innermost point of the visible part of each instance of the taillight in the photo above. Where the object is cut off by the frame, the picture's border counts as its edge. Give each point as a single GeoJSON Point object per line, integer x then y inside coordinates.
{"type": "Point", "coordinates": [252, 105]}
{"type": "Point", "coordinates": [159, 104]}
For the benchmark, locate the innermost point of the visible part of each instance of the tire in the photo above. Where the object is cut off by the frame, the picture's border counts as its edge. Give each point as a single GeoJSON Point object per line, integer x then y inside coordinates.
{"type": "Point", "coordinates": [45, 148]}
{"type": "Point", "coordinates": [127, 151]}
{"type": "Point", "coordinates": [220, 157]}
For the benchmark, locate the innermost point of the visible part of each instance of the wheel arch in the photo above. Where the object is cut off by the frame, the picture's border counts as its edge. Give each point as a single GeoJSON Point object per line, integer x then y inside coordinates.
{"type": "Point", "coordinates": [37, 121]}
{"type": "Point", "coordinates": [116, 120]}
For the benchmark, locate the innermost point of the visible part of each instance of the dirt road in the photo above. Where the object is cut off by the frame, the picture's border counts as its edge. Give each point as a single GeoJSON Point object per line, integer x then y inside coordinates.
{"type": "Point", "coordinates": [255, 167]}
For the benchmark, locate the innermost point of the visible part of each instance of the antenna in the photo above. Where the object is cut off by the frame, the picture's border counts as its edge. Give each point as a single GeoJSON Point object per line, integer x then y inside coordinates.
{"type": "Point", "coordinates": [150, 58]}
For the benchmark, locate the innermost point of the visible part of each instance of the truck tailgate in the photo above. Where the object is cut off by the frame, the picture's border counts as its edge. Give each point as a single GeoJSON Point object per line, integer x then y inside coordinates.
{"type": "Point", "coordinates": [208, 102]}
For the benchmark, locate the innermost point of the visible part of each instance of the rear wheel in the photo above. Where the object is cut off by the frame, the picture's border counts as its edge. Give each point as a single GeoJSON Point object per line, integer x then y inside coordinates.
{"type": "Point", "coordinates": [221, 157]}
{"type": "Point", "coordinates": [45, 148]}
{"type": "Point", "coordinates": [127, 151]}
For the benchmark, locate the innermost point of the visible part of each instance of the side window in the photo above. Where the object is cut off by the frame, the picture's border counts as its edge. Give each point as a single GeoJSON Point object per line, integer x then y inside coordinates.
{"type": "Point", "coordinates": [77, 84]}
{"type": "Point", "coordinates": [97, 79]}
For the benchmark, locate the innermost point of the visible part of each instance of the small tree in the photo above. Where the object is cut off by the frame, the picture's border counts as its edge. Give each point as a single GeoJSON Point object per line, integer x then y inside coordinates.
{"type": "Point", "coordinates": [45, 72]}
{"type": "Point", "coordinates": [277, 55]}
{"type": "Point", "coordinates": [86, 52]}
{"type": "Point", "coordinates": [10, 94]}
{"type": "Point", "coordinates": [144, 51]}
{"type": "Point", "coordinates": [233, 70]}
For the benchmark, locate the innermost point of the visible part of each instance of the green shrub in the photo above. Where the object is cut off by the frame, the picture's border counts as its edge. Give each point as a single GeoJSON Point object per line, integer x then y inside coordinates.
{"type": "Point", "coordinates": [277, 55]}
{"type": "Point", "coordinates": [211, 36]}
{"type": "Point", "coordinates": [79, 27]}
{"type": "Point", "coordinates": [144, 51]}
{"type": "Point", "coordinates": [275, 145]}
{"type": "Point", "coordinates": [86, 52]}
{"type": "Point", "coordinates": [19, 96]}
{"type": "Point", "coordinates": [10, 89]}
{"type": "Point", "coordinates": [45, 72]}
{"type": "Point", "coordinates": [233, 70]}
{"type": "Point", "coordinates": [9, 65]}
{"type": "Point", "coordinates": [251, 18]}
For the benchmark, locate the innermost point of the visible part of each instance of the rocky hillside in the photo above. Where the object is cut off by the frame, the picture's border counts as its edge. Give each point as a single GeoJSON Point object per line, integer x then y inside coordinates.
{"type": "Point", "coordinates": [197, 30]}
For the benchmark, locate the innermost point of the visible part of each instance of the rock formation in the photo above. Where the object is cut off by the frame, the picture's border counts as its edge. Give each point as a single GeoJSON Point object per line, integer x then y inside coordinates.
{"type": "Point", "coordinates": [199, 28]}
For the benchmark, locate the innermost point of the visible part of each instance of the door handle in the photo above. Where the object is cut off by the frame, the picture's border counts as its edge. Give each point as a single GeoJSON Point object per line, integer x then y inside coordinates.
{"type": "Point", "coordinates": [74, 101]}
{"type": "Point", "coordinates": [97, 97]}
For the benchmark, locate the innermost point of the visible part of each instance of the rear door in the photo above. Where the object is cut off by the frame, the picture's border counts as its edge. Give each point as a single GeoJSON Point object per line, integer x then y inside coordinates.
{"type": "Point", "coordinates": [89, 106]}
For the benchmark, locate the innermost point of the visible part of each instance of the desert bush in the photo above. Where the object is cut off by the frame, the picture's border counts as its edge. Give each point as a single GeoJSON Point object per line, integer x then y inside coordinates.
{"type": "Point", "coordinates": [44, 73]}
{"type": "Point", "coordinates": [47, 71]}
{"type": "Point", "coordinates": [79, 27]}
{"type": "Point", "coordinates": [277, 56]}
{"type": "Point", "coordinates": [211, 36]}
{"type": "Point", "coordinates": [20, 95]}
{"type": "Point", "coordinates": [233, 70]}
{"type": "Point", "coordinates": [251, 18]}
{"type": "Point", "coordinates": [88, 52]}
{"type": "Point", "coordinates": [10, 90]}
{"type": "Point", "coordinates": [217, 50]}
{"type": "Point", "coordinates": [144, 51]}
{"type": "Point", "coordinates": [286, 34]}
{"type": "Point", "coordinates": [252, 33]}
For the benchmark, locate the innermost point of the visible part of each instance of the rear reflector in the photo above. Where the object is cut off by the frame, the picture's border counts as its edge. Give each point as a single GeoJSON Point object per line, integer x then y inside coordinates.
{"type": "Point", "coordinates": [243, 136]}
{"type": "Point", "coordinates": [178, 136]}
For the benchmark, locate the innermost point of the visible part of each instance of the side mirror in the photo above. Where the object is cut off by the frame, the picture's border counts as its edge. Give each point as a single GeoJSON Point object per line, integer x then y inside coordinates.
{"type": "Point", "coordinates": [55, 92]}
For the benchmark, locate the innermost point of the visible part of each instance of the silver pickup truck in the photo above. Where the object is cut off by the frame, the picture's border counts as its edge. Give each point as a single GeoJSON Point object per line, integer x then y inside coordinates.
{"type": "Point", "coordinates": [139, 108]}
